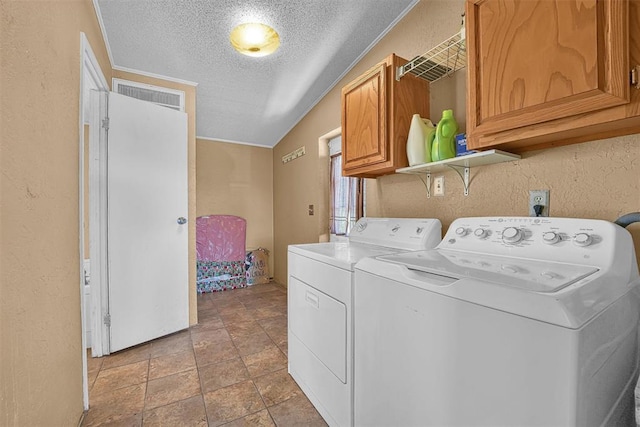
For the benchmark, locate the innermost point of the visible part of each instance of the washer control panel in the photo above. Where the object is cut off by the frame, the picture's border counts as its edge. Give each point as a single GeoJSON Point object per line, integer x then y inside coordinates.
{"type": "Point", "coordinates": [541, 238]}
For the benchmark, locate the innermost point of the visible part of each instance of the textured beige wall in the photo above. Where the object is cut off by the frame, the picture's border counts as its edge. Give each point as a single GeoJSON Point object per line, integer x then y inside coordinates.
{"type": "Point", "coordinates": [190, 109]}
{"type": "Point", "coordinates": [598, 179]}
{"type": "Point", "coordinates": [40, 323]}
{"type": "Point", "coordinates": [303, 182]}
{"type": "Point", "coordinates": [300, 183]}
{"type": "Point", "coordinates": [235, 179]}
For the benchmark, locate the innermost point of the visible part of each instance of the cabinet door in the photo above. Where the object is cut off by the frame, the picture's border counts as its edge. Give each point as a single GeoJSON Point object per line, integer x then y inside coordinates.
{"type": "Point", "coordinates": [364, 119]}
{"type": "Point", "coordinates": [534, 61]}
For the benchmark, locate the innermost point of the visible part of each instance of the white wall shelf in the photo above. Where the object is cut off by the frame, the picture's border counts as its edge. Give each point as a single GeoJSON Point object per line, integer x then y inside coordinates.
{"type": "Point", "coordinates": [461, 165]}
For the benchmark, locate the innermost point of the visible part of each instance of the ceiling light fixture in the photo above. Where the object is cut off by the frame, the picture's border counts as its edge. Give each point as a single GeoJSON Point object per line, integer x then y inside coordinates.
{"type": "Point", "coordinates": [254, 39]}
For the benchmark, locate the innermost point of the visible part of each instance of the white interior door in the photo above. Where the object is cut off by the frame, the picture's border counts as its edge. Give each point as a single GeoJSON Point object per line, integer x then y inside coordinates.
{"type": "Point", "coordinates": [147, 241]}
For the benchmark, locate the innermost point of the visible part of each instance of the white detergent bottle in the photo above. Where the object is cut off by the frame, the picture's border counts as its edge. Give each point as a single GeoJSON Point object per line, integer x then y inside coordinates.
{"type": "Point", "coordinates": [419, 140]}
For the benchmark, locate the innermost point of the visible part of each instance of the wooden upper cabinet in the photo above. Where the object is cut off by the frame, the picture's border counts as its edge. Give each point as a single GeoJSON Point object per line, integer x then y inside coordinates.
{"type": "Point", "coordinates": [376, 115]}
{"type": "Point", "coordinates": [532, 63]}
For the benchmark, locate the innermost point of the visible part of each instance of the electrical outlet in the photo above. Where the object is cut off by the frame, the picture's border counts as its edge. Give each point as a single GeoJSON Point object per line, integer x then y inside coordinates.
{"type": "Point", "coordinates": [539, 197]}
{"type": "Point", "coordinates": [438, 186]}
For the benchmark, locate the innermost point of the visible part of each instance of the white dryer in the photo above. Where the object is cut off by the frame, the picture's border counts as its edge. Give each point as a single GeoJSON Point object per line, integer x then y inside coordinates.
{"type": "Point", "coordinates": [509, 321]}
{"type": "Point", "coordinates": [320, 288]}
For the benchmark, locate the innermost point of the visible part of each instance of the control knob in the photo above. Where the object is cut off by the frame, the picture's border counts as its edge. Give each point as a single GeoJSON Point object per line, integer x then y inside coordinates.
{"type": "Point", "coordinates": [461, 231]}
{"type": "Point", "coordinates": [480, 233]}
{"type": "Point", "coordinates": [512, 235]}
{"type": "Point", "coordinates": [582, 239]}
{"type": "Point", "coordinates": [550, 237]}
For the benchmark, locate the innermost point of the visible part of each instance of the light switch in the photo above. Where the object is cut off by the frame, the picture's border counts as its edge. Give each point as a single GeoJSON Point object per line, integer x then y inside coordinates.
{"type": "Point", "coordinates": [438, 186]}
{"type": "Point", "coordinates": [310, 209]}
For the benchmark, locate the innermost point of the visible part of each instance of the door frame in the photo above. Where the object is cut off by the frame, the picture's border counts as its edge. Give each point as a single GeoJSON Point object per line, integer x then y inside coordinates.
{"type": "Point", "coordinates": [92, 84]}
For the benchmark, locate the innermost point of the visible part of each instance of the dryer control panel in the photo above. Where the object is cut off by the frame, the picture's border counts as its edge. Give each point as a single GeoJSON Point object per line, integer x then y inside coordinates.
{"type": "Point", "coordinates": [401, 233]}
{"type": "Point", "coordinates": [580, 241]}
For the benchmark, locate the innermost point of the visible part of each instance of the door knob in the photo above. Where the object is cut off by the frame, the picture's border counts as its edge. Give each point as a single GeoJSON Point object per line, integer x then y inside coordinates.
{"type": "Point", "coordinates": [182, 220]}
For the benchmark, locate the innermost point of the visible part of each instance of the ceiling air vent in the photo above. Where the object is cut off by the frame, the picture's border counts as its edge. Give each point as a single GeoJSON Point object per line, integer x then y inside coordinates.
{"type": "Point", "coordinates": [169, 98]}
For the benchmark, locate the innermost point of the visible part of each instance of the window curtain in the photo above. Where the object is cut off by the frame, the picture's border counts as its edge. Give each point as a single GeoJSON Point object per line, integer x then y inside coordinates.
{"type": "Point", "coordinates": [346, 199]}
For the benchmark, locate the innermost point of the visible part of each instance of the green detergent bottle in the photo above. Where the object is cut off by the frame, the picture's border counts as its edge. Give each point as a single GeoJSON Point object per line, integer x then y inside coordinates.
{"type": "Point", "coordinates": [444, 143]}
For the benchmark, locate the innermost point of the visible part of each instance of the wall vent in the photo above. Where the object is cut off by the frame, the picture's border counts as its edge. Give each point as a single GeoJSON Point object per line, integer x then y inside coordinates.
{"type": "Point", "coordinates": [169, 98]}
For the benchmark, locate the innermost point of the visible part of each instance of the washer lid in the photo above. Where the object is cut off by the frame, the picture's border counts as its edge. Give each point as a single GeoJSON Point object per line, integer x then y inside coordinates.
{"type": "Point", "coordinates": [525, 274]}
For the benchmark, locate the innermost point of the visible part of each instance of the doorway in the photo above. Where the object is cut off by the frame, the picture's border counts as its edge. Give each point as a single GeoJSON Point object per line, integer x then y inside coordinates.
{"type": "Point", "coordinates": [92, 83]}
{"type": "Point", "coordinates": [135, 221]}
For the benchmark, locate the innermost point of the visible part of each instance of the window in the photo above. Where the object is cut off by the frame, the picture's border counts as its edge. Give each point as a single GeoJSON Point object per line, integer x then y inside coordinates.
{"type": "Point", "coordinates": [346, 193]}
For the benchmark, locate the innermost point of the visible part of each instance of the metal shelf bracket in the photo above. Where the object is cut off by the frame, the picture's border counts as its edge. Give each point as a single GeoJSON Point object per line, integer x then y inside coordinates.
{"type": "Point", "coordinates": [464, 176]}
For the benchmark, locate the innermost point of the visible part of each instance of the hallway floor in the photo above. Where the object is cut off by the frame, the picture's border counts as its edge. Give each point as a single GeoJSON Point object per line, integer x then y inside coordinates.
{"type": "Point", "coordinates": [230, 369]}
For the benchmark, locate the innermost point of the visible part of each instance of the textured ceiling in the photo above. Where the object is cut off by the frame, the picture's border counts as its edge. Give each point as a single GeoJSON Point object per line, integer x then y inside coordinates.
{"type": "Point", "coordinates": [240, 98]}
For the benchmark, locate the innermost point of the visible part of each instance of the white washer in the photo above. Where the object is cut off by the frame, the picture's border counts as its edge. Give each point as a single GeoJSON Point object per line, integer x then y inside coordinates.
{"type": "Point", "coordinates": [319, 306]}
{"type": "Point", "coordinates": [509, 321]}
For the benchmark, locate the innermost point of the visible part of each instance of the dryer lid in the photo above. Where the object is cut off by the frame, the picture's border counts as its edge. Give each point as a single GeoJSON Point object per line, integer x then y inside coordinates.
{"type": "Point", "coordinates": [343, 255]}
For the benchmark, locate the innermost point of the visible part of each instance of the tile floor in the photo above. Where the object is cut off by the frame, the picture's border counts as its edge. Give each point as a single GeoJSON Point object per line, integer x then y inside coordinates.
{"type": "Point", "coordinates": [230, 369]}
